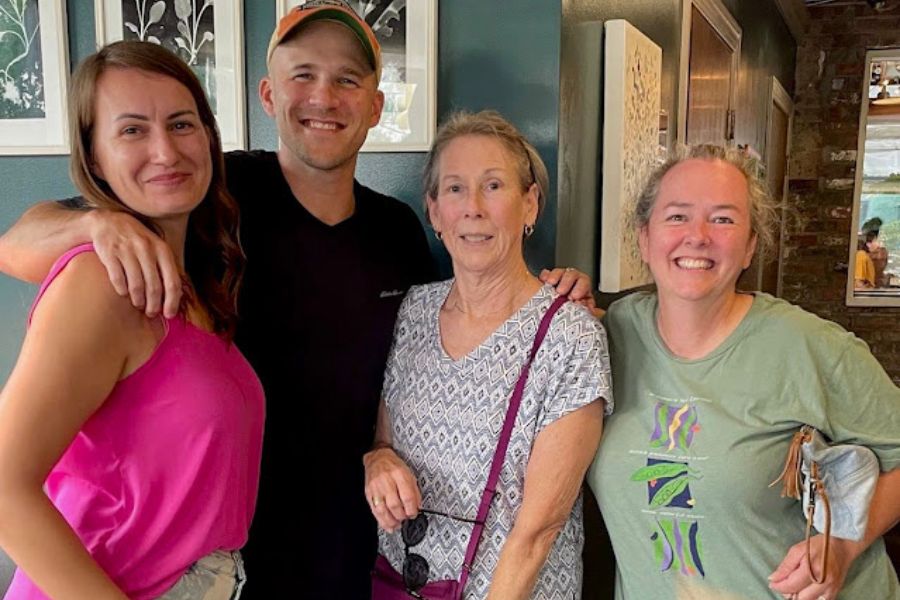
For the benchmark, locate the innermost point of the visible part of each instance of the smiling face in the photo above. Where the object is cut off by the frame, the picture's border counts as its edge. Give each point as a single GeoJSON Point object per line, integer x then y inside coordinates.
{"type": "Point", "coordinates": [481, 209]}
{"type": "Point", "coordinates": [149, 144]}
{"type": "Point", "coordinates": [322, 92]}
{"type": "Point", "coordinates": [698, 238]}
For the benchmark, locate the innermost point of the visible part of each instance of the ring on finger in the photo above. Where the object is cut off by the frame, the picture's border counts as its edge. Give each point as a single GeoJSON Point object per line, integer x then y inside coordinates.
{"type": "Point", "coordinates": [376, 500]}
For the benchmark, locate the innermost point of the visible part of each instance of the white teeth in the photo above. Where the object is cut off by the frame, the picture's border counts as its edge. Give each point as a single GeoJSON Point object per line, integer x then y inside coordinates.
{"type": "Point", "coordinates": [321, 125]}
{"type": "Point", "coordinates": [694, 263]}
{"type": "Point", "coordinates": [476, 238]}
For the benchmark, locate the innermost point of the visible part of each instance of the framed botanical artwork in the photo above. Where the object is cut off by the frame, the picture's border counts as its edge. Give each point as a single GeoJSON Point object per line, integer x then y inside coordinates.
{"type": "Point", "coordinates": [407, 32]}
{"type": "Point", "coordinates": [632, 84]}
{"type": "Point", "coordinates": [206, 34]}
{"type": "Point", "coordinates": [34, 67]}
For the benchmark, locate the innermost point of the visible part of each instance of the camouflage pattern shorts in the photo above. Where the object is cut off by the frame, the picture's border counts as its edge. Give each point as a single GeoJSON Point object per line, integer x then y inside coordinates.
{"type": "Point", "coordinates": [218, 576]}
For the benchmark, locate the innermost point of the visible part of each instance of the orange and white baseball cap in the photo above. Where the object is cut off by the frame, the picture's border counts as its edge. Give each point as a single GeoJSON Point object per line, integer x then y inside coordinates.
{"type": "Point", "coordinates": [330, 10]}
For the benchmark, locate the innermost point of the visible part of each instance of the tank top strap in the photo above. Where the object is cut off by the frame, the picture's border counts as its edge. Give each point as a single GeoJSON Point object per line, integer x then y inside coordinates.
{"type": "Point", "coordinates": [55, 270]}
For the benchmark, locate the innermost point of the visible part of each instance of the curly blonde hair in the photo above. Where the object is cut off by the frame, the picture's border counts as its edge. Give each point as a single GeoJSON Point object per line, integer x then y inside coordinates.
{"type": "Point", "coordinates": [764, 208]}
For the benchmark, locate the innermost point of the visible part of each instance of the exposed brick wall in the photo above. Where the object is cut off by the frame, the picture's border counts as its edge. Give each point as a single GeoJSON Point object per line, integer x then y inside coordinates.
{"type": "Point", "coordinates": [830, 65]}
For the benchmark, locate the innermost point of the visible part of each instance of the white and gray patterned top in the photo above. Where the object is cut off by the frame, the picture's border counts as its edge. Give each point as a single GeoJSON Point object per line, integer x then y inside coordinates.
{"type": "Point", "coordinates": [446, 417]}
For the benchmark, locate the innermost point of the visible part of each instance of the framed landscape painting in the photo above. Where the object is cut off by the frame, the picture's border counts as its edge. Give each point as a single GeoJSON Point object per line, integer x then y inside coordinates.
{"type": "Point", "coordinates": [34, 68]}
{"type": "Point", "coordinates": [407, 33]}
{"type": "Point", "coordinates": [206, 34]}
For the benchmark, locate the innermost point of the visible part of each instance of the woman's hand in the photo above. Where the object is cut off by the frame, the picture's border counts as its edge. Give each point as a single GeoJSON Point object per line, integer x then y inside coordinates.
{"type": "Point", "coordinates": [793, 580]}
{"type": "Point", "coordinates": [391, 488]}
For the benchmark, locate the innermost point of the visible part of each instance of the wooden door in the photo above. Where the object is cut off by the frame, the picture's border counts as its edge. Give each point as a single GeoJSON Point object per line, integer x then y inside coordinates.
{"type": "Point", "coordinates": [776, 170]}
{"type": "Point", "coordinates": [767, 277]}
{"type": "Point", "coordinates": [710, 81]}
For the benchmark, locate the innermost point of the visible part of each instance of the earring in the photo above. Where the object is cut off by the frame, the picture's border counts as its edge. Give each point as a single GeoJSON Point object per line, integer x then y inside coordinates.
{"type": "Point", "coordinates": [529, 229]}
{"type": "Point", "coordinates": [438, 235]}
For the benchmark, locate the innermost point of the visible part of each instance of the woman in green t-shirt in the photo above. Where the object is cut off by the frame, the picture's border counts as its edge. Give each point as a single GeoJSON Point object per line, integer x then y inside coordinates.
{"type": "Point", "coordinates": [712, 383]}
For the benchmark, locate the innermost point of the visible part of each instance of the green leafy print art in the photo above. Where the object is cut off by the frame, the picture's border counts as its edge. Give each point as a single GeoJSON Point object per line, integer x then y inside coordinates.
{"type": "Point", "coordinates": [186, 27]}
{"type": "Point", "coordinates": [21, 66]}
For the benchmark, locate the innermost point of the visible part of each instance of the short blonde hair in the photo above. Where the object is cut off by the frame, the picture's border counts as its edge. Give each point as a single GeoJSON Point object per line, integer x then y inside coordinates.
{"type": "Point", "coordinates": [529, 166]}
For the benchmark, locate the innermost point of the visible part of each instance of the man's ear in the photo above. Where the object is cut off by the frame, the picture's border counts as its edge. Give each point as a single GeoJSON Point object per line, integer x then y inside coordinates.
{"type": "Point", "coordinates": [265, 95]}
{"type": "Point", "coordinates": [377, 107]}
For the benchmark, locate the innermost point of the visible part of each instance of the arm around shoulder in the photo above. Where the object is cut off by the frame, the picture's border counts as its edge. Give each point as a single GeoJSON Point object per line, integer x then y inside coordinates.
{"type": "Point", "coordinates": [30, 247]}
{"type": "Point", "coordinates": [138, 262]}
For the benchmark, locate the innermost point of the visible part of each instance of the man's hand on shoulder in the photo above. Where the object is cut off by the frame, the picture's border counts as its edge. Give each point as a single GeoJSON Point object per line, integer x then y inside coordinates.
{"type": "Point", "coordinates": [140, 264]}
{"type": "Point", "coordinates": [572, 283]}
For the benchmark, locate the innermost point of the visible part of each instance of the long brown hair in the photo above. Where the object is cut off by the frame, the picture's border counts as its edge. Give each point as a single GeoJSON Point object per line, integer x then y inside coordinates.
{"type": "Point", "coordinates": [214, 261]}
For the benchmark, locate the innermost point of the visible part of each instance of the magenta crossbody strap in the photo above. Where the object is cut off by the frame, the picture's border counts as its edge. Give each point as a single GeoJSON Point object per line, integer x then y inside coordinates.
{"type": "Point", "coordinates": [502, 444]}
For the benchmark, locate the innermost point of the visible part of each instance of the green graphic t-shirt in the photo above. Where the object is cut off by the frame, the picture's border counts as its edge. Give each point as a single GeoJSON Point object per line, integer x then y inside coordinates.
{"type": "Point", "coordinates": [683, 470]}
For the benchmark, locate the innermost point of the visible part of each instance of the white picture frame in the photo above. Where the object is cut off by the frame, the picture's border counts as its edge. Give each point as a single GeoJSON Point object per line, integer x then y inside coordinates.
{"type": "Point", "coordinates": [631, 100]}
{"type": "Point", "coordinates": [872, 183]}
{"type": "Point", "coordinates": [409, 72]}
{"type": "Point", "coordinates": [34, 78]}
{"type": "Point", "coordinates": [185, 27]}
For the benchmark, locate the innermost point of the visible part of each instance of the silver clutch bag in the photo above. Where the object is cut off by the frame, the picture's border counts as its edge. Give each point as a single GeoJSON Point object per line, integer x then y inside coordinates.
{"type": "Point", "coordinates": [840, 478]}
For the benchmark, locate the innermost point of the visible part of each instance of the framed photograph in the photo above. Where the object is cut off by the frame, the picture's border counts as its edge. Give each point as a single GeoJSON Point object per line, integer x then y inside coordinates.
{"type": "Point", "coordinates": [632, 84]}
{"type": "Point", "coordinates": [206, 34]}
{"type": "Point", "coordinates": [34, 68]}
{"type": "Point", "coordinates": [407, 32]}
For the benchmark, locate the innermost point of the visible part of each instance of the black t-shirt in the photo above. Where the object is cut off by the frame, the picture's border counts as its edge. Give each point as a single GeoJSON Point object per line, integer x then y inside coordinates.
{"type": "Point", "coordinates": [316, 317]}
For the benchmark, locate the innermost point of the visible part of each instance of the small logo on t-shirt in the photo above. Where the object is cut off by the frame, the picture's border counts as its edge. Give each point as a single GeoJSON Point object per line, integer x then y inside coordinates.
{"type": "Point", "coordinates": [391, 293]}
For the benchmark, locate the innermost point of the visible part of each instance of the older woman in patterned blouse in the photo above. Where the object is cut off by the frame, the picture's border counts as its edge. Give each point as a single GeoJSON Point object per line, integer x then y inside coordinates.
{"type": "Point", "coordinates": [459, 346]}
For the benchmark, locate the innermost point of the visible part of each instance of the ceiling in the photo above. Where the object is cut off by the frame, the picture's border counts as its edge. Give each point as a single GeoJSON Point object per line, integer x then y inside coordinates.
{"type": "Point", "coordinates": [878, 5]}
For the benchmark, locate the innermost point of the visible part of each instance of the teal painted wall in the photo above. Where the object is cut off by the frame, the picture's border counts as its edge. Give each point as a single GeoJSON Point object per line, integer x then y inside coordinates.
{"type": "Point", "coordinates": [502, 55]}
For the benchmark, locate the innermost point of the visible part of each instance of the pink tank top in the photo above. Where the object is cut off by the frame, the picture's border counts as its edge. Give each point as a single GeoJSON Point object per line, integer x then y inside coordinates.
{"type": "Point", "coordinates": [166, 471]}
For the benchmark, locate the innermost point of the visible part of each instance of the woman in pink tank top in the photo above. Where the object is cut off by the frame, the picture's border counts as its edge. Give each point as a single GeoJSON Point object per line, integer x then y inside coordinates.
{"type": "Point", "coordinates": [130, 445]}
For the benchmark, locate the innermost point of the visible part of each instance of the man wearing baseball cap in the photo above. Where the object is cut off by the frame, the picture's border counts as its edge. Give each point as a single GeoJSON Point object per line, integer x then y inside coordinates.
{"type": "Point", "coordinates": [329, 262]}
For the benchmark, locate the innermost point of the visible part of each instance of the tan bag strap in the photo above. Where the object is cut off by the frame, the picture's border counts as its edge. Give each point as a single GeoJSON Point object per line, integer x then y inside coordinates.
{"type": "Point", "coordinates": [818, 487]}
{"type": "Point", "coordinates": [790, 478]}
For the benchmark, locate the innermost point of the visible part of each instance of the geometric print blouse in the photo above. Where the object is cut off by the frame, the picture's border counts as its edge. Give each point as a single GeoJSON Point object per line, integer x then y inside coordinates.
{"type": "Point", "coordinates": [446, 417]}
